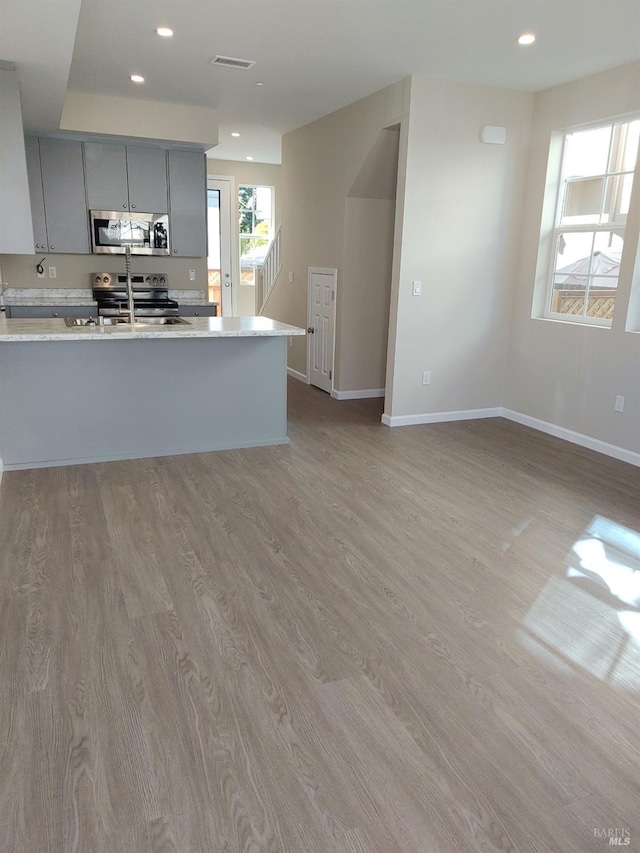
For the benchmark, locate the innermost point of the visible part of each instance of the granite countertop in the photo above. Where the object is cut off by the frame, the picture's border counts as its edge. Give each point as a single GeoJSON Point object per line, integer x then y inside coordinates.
{"type": "Point", "coordinates": [45, 296]}
{"type": "Point", "coordinates": [198, 327]}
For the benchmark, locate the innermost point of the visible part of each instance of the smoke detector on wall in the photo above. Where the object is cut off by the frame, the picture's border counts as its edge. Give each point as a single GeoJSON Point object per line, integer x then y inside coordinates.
{"type": "Point", "coordinates": [233, 62]}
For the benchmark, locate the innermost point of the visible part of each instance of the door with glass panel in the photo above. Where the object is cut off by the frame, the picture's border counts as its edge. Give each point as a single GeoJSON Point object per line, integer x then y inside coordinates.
{"type": "Point", "coordinates": [220, 285]}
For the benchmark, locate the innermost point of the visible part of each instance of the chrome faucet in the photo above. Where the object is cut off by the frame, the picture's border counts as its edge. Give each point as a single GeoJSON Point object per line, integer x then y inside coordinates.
{"type": "Point", "coordinates": [131, 304]}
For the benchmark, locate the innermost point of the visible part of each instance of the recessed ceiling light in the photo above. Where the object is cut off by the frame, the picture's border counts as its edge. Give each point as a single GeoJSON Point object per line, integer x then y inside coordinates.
{"type": "Point", "coordinates": [165, 32]}
{"type": "Point", "coordinates": [259, 83]}
{"type": "Point", "coordinates": [248, 158]}
{"type": "Point", "coordinates": [136, 78]}
{"type": "Point", "coordinates": [526, 38]}
{"type": "Point", "coordinates": [235, 133]}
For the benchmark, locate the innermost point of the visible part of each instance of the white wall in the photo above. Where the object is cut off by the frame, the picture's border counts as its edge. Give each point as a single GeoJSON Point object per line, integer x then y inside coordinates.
{"type": "Point", "coordinates": [460, 227]}
{"type": "Point", "coordinates": [320, 163]}
{"type": "Point", "coordinates": [564, 373]}
{"type": "Point", "coordinates": [104, 114]}
{"type": "Point", "coordinates": [16, 231]}
{"type": "Point", "coordinates": [365, 286]}
{"type": "Point", "coordinates": [364, 292]}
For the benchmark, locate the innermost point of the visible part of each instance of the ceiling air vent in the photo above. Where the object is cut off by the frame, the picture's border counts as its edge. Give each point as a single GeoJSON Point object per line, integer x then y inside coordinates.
{"type": "Point", "coordinates": [232, 62]}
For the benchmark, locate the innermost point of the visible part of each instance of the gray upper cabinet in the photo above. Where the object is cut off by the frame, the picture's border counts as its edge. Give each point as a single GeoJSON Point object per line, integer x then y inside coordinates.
{"type": "Point", "coordinates": [126, 177]}
{"type": "Point", "coordinates": [65, 206]}
{"type": "Point", "coordinates": [188, 203]}
{"type": "Point", "coordinates": [106, 170]}
{"type": "Point", "coordinates": [147, 173]}
{"type": "Point", "coordinates": [36, 193]}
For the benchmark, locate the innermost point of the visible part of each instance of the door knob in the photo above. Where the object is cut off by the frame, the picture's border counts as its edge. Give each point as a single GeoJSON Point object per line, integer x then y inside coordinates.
{"type": "Point", "coordinates": [311, 330]}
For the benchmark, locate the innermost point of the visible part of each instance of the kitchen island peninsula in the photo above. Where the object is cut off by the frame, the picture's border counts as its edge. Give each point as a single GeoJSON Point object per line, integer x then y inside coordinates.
{"type": "Point", "coordinates": [70, 395]}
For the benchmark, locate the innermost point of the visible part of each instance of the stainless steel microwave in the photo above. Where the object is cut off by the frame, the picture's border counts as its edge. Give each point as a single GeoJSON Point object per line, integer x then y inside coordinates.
{"type": "Point", "coordinates": [145, 233]}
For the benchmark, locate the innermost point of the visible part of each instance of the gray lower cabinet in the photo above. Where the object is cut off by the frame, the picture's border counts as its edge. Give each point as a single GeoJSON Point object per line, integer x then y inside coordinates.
{"type": "Point", "coordinates": [47, 312]}
{"type": "Point", "coordinates": [198, 310]}
{"type": "Point", "coordinates": [65, 209]}
{"type": "Point", "coordinates": [188, 203]}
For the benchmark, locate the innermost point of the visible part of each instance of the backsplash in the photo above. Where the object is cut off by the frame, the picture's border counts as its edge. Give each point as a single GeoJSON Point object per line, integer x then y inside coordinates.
{"type": "Point", "coordinates": [73, 271]}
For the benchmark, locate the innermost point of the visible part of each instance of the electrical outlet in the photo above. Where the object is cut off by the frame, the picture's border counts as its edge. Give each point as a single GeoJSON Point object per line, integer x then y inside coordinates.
{"type": "Point", "coordinates": [192, 275]}
{"type": "Point", "coordinates": [619, 407]}
{"type": "Point", "coordinates": [426, 377]}
{"type": "Point", "coordinates": [52, 272]}
{"type": "Point", "coordinates": [40, 271]}
{"type": "Point", "coordinates": [417, 290]}
{"type": "Point", "coordinates": [290, 341]}
{"type": "Point", "coordinates": [290, 278]}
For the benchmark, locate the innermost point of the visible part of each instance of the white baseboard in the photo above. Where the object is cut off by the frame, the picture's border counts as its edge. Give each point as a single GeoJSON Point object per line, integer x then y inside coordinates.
{"type": "Point", "coordinates": [574, 437]}
{"type": "Point", "coordinates": [440, 417]}
{"type": "Point", "coordinates": [295, 374]}
{"type": "Point", "coordinates": [362, 394]}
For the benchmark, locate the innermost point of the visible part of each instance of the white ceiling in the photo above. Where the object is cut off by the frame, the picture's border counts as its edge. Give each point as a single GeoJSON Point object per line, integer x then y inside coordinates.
{"type": "Point", "coordinates": [314, 56]}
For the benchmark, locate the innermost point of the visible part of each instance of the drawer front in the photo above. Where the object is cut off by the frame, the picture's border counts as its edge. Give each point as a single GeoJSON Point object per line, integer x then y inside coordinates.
{"type": "Point", "coordinates": [198, 310]}
{"type": "Point", "coordinates": [48, 312]}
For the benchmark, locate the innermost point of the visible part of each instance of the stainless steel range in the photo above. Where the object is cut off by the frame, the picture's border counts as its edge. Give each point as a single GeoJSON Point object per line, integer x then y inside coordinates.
{"type": "Point", "coordinates": [150, 295]}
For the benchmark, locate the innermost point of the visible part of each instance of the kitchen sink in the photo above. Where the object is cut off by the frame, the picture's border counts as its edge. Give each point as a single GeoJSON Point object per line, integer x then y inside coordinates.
{"type": "Point", "coordinates": [80, 321]}
{"type": "Point", "coordinates": [124, 321]}
{"type": "Point", "coordinates": [160, 321]}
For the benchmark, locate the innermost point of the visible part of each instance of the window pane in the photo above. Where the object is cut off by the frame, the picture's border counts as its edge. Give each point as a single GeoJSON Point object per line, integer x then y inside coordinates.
{"type": "Point", "coordinates": [617, 197]}
{"type": "Point", "coordinates": [246, 208]}
{"type": "Point", "coordinates": [631, 146]}
{"type": "Point", "coordinates": [605, 264]}
{"type": "Point", "coordinates": [583, 202]}
{"type": "Point", "coordinates": [253, 251]}
{"type": "Point", "coordinates": [587, 152]}
{"type": "Point", "coordinates": [573, 252]}
{"type": "Point", "coordinates": [600, 304]}
{"type": "Point", "coordinates": [263, 203]}
{"type": "Point", "coordinates": [569, 298]}
{"type": "Point", "coordinates": [603, 281]}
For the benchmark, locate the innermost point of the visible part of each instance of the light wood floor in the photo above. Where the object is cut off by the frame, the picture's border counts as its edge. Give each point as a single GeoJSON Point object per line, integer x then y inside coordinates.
{"type": "Point", "coordinates": [363, 641]}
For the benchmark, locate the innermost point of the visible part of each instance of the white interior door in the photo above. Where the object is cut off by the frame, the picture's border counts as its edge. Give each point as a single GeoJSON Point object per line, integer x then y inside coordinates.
{"type": "Point", "coordinates": [220, 265]}
{"type": "Point", "coordinates": [321, 325]}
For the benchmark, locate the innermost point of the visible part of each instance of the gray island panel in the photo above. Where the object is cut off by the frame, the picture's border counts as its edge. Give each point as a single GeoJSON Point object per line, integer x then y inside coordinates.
{"type": "Point", "coordinates": [70, 402]}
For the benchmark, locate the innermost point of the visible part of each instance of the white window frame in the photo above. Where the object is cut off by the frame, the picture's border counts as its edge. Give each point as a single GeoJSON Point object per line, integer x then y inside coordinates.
{"type": "Point", "coordinates": [558, 229]}
{"type": "Point", "coordinates": [244, 236]}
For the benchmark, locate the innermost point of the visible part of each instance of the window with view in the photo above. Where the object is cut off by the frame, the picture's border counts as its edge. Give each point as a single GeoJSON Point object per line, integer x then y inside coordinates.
{"type": "Point", "coordinates": [598, 166]}
{"type": "Point", "coordinates": [255, 210]}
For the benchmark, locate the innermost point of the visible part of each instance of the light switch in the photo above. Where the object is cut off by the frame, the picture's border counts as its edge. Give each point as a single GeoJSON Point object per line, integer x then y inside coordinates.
{"type": "Point", "coordinates": [192, 275]}
{"type": "Point", "coordinates": [52, 272]}
{"type": "Point", "coordinates": [417, 288]}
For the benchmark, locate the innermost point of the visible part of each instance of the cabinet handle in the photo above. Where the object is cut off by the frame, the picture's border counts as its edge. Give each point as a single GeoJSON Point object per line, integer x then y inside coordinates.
{"type": "Point", "coordinates": [197, 313]}
{"type": "Point", "coordinates": [175, 251]}
{"type": "Point", "coordinates": [124, 206]}
{"type": "Point", "coordinates": [52, 246]}
{"type": "Point", "coordinates": [55, 313]}
{"type": "Point", "coordinates": [133, 207]}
